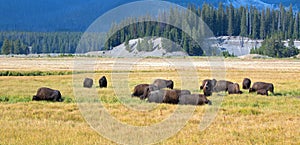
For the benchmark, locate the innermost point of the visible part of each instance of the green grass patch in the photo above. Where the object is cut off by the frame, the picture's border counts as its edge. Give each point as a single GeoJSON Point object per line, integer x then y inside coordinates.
{"type": "Point", "coordinates": [34, 73]}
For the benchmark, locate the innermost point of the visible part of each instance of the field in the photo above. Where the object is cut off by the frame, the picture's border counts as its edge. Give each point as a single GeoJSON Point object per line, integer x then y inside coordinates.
{"type": "Point", "coordinates": [240, 119]}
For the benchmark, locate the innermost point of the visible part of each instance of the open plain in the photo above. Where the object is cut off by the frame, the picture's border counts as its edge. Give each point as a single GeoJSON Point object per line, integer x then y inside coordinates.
{"type": "Point", "coordinates": [241, 119]}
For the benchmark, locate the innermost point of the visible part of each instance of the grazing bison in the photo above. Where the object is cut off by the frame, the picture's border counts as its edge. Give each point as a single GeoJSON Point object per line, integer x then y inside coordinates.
{"type": "Point", "coordinates": [47, 94]}
{"type": "Point", "coordinates": [156, 96]}
{"type": "Point", "coordinates": [182, 92]}
{"type": "Point", "coordinates": [139, 90]}
{"type": "Point", "coordinates": [147, 91]}
{"type": "Point", "coordinates": [262, 92]}
{"type": "Point", "coordinates": [161, 83]}
{"type": "Point", "coordinates": [103, 82]}
{"type": "Point", "coordinates": [213, 82]}
{"type": "Point", "coordinates": [194, 99]}
{"type": "Point", "coordinates": [171, 97]}
{"type": "Point", "coordinates": [262, 85]}
{"type": "Point", "coordinates": [246, 83]}
{"type": "Point", "coordinates": [221, 85]}
{"type": "Point", "coordinates": [234, 89]}
{"type": "Point", "coordinates": [88, 83]}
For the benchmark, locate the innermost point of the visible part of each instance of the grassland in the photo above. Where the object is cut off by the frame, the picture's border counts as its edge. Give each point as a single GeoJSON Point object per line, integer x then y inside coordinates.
{"type": "Point", "coordinates": [241, 119]}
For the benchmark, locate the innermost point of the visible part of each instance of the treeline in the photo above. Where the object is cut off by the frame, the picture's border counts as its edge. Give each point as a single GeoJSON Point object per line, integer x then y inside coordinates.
{"type": "Point", "coordinates": [274, 47]}
{"type": "Point", "coordinates": [39, 42]}
{"type": "Point", "coordinates": [251, 22]}
{"type": "Point", "coordinates": [223, 21]}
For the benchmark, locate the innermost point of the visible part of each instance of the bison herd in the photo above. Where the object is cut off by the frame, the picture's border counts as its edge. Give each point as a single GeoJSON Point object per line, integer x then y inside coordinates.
{"type": "Point", "coordinates": [156, 93]}
{"type": "Point", "coordinates": [209, 86]}
{"type": "Point", "coordinates": [162, 91]}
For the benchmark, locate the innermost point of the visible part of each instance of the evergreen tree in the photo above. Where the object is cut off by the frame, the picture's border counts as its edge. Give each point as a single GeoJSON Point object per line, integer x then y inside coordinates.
{"type": "Point", "coordinates": [262, 25]}
{"type": "Point", "coordinates": [243, 24]}
{"type": "Point", "coordinates": [255, 25]}
{"type": "Point", "coordinates": [5, 49]}
{"type": "Point", "coordinates": [17, 47]}
{"type": "Point", "coordinates": [230, 20]}
{"type": "Point", "coordinates": [296, 27]}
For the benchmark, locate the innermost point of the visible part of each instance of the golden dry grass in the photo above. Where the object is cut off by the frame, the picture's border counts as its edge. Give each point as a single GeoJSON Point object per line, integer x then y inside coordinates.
{"type": "Point", "coordinates": [242, 119]}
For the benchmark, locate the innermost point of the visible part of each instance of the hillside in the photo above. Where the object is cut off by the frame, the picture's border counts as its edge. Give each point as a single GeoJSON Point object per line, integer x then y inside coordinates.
{"type": "Point", "coordinates": [234, 45]}
{"type": "Point", "coordinates": [121, 51]}
{"type": "Point", "coordinates": [63, 15]}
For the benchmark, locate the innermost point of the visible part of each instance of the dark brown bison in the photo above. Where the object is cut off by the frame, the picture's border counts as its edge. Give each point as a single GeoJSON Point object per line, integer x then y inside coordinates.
{"type": "Point", "coordinates": [171, 97]}
{"type": "Point", "coordinates": [47, 94]}
{"type": "Point", "coordinates": [156, 96]}
{"type": "Point", "coordinates": [161, 83]}
{"type": "Point", "coordinates": [213, 82]}
{"type": "Point", "coordinates": [208, 88]}
{"type": "Point", "coordinates": [147, 91]}
{"type": "Point", "coordinates": [194, 99]}
{"type": "Point", "coordinates": [103, 82]}
{"type": "Point", "coordinates": [221, 85]}
{"type": "Point", "coordinates": [88, 83]}
{"type": "Point", "coordinates": [139, 90]}
{"type": "Point", "coordinates": [234, 89]}
{"type": "Point", "coordinates": [262, 85]}
{"type": "Point", "coordinates": [262, 92]}
{"type": "Point", "coordinates": [246, 83]}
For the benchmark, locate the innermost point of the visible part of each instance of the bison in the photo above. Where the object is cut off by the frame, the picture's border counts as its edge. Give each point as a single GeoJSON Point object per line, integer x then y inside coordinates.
{"type": "Point", "coordinates": [221, 85]}
{"type": "Point", "coordinates": [47, 94]}
{"type": "Point", "coordinates": [208, 88]}
{"type": "Point", "coordinates": [182, 92]}
{"type": "Point", "coordinates": [194, 99]}
{"type": "Point", "coordinates": [262, 92]}
{"type": "Point", "coordinates": [88, 83]}
{"type": "Point", "coordinates": [139, 90]}
{"type": "Point", "coordinates": [213, 82]}
{"type": "Point", "coordinates": [147, 91]}
{"type": "Point", "coordinates": [171, 97]}
{"type": "Point", "coordinates": [161, 83]}
{"type": "Point", "coordinates": [262, 85]}
{"type": "Point", "coordinates": [156, 96]}
{"type": "Point", "coordinates": [234, 89]}
{"type": "Point", "coordinates": [103, 82]}
{"type": "Point", "coordinates": [246, 83]}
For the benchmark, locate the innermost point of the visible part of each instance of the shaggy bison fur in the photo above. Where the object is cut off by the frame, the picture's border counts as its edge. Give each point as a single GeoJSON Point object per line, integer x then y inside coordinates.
{"type": "Point", "coordinates": [194, 99]}
{"type": "Point", "coordinates": [182, 92]}
{"type": "Point", "coordinates": [171, 97]}
{"type": "Point", "coordinates": [234, 89]}
{"type": "Point", "coordinates": [103, 82]}
{"type": "Point", "coordinates": [213, 82]}
{"type": "Point", "coordinates": [156, 96]}
{"type": "Point", "coordinates": [161, 83]}
{"type": "Point", "coordinates": [88, 83]}
{"type": "Point", "coordinates": [208, 88]}
{"type": "Point", "coordinates": [139, 90]}
{"type": "Point", "coordinates": [47, 94]}
{"type": "Point", "coordinates": [262, 85]}
{"type": "Point", "coordinates": [221, 85]}
{"type": "Point", "coordinates": [262, 92]}
{"type": "Point", "coordinates": [147, 91]}
{"type": "Point", "coordinates": [246, 83]}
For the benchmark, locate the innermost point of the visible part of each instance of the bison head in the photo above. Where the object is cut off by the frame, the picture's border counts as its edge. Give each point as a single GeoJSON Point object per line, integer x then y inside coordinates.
{"type": "Point", "coordinates": [251, 90]}
{"type": "Point", "coordinates": [35, 98]}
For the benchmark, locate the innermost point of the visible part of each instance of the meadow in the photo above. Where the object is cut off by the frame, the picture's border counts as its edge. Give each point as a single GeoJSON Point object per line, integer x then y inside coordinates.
{"type": "Point", "coordinates": [241, 119]}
